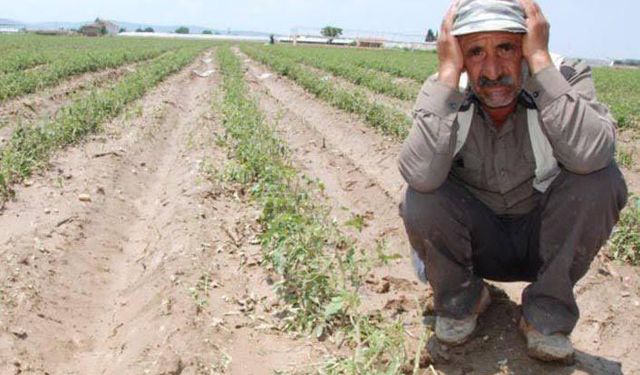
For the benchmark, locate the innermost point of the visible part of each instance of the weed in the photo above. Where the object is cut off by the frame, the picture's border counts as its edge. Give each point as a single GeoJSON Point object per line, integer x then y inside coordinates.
{"type": "Point", "coordinates": [624, 157]}
{"type": "Point", "coordinates": [200, 292]}
{"type": "Point", "coordinates": [357, 221]}
{"type": "Point", "coordinates": [625, 242]}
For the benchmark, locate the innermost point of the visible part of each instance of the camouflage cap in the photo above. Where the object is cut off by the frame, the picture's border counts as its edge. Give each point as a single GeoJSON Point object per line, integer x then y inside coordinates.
{"type": "Point", "coordinates": [475, 16]}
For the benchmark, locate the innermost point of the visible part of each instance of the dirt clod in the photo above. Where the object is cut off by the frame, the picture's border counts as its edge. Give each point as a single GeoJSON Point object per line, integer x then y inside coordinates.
{"type": "Point", "coordinates": [19, 332]}
{"type": "Point", "coordinates": [84, 198]}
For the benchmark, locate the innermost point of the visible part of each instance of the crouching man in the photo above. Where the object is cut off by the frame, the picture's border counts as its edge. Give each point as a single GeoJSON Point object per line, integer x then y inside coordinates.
{"type": "Point", "coordinates": [511, 173]}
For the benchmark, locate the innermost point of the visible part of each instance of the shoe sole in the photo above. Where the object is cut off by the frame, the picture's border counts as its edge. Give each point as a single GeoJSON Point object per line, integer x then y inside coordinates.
{"type": "Point", "coordinates": [536, 353]}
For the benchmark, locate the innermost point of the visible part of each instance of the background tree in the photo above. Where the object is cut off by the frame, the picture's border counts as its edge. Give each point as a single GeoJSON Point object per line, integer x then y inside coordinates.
{"type": "Point", "coordinates": [331, 32]}
{"type": "Point", "coordinates": [431, 36]}
{"type": "Point", "coordinates": [208, 32]}
{"type": "Point", "coordinates": [122, 30]}
{"type": "Point", "coordinates": [149, 30]}
{"type": "Point", "coordinates": [182, 30]}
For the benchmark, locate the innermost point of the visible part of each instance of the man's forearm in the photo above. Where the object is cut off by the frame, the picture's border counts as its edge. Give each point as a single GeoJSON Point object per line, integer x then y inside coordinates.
{"type": "Point", "coordinates": [580, 129]}
{"type": "Point", "coordinates": [428, 151]}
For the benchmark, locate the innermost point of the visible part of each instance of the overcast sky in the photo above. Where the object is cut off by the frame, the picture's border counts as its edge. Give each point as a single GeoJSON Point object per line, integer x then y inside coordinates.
{"type": "Point", "coordinates": [580, 28]}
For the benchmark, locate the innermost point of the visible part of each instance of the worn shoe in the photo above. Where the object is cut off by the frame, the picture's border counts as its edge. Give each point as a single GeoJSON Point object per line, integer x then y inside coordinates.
{"type": "Point", "coordinates": [457, 331]}
{"type": "Point", "coordinates": [548, 348]}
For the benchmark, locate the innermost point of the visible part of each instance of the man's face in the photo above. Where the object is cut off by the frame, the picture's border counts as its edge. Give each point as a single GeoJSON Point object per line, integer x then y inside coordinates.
{"type": "Point", "coordinates": [493, 61]}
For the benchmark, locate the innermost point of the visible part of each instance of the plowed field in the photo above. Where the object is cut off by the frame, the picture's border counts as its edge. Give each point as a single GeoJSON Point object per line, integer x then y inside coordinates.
{"type": "Point", "coordinates": [231, 220]}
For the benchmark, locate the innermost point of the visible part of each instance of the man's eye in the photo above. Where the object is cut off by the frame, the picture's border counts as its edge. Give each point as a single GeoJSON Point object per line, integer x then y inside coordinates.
{"type": "Point", "coordinates": [507, 47]}
{"type": "Point", "coordinates": [475, 52]}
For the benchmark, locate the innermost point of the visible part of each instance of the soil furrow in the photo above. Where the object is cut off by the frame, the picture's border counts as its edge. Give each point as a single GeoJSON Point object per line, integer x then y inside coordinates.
{"type": "Point", "coordinates": [374, 154]}
{"type": "Point", "coordinates": [351, 190]}
{"type": "Point", "coordinates": [140, 275]}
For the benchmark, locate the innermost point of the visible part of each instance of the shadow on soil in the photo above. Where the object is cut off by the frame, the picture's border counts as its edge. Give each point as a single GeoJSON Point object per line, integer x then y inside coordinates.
{"type": "Point", "coordinates": [498, 348]}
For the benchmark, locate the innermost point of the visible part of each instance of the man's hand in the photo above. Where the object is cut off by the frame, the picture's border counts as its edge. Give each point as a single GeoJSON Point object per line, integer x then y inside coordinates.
{"type": "Point", "coordinates": [535, 45]}
{"type": "Point", "coordinates": [449, 52]}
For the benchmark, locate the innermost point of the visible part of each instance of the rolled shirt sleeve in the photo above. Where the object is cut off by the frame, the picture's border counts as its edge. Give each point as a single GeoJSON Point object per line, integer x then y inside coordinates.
{"type": "Point", "coordinates": [428, 151]}
{"type": "Point", "coordinates": [580, 129]}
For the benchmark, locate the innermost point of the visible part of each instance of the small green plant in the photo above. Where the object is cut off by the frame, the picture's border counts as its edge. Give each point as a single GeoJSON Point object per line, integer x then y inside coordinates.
{"type": "Point", "coordinates": [357, 221]}
{"type": "Point", "coordinates": [624, 157]}
{"type": "Point", "coordinates": [200, 292]}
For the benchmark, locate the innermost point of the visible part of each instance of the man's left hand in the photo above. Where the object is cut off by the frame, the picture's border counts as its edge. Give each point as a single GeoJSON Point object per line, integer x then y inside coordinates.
{"type": "Point", "coordinates": [535, 45]}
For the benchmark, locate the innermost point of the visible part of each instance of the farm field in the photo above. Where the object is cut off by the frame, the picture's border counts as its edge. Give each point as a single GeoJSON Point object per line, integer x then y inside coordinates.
{"type": "Point", "coordinates": [179, 207]}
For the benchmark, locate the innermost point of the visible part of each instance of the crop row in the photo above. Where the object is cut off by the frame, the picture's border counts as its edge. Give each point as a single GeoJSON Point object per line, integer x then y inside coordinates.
{"type": "Point", "coordinates": [27, 81]}
{"type": "Point", "coordinates": [319, 269]}
{"type": "Point", "coordinates": [20, 61]}
{"type": "Point", "coordinates": [31, 145]}
{"type": "Point", "coordinates": [416, 65]}
{"type": "Point", "coordinates": [340, 66]}
{"type": "Point", "coordinates": [380, 116]}
{"type": "Point", "coordinates": [21, 52]}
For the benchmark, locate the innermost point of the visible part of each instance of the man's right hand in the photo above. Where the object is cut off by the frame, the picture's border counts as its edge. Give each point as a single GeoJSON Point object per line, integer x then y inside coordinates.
{"type": "Point", "coordinates": [449, 51]}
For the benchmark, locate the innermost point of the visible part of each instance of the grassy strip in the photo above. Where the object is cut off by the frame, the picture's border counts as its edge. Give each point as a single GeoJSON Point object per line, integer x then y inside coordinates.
{"type": "Point", "coordinates": [620, 90]}
{"type": "Point", "coordinates": [320, 270]}
{"type": "Point", "coordinates": [31, 146]}
{"type": "Point", "coordinates": [416, 65]}
{"type": "Point", "coordinates": [625, 242]}
{"type": "Point", "coordinates": [337, 65]}
{"type": "Point", "coordinates": [388, 120]}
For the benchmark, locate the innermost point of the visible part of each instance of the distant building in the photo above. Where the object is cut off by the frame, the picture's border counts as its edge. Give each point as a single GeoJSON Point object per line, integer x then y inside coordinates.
{"type": "Point", "coordinates": [305, 39]}
{"type": "Point", "coordinates": [370, 43]}
{"type": "Point", "coordinates": [99, 28]}
{"type": "Point", "coordinates": [58, 32]}
{"type": "Point", "coordinates": [9, 26]}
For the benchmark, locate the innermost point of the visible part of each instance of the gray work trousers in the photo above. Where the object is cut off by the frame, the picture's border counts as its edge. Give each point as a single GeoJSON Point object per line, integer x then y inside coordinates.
{"type": "Point", "coordinates": [462, 241]}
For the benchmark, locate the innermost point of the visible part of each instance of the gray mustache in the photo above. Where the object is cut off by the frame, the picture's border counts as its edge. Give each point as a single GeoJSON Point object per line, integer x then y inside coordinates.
{"type": "Point", "coordinates": [502, 81]}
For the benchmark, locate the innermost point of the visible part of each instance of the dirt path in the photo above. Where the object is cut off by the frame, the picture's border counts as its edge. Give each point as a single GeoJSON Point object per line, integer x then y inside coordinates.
{"type": "Point", "coordinates": [153, 270]}
{"type": "Point", "coordinates": [358, 167]}
{"type": "Point", "coordinates": [44, 104]}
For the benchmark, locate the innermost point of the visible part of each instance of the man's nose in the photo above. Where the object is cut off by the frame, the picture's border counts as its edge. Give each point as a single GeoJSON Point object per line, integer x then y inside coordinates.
{"type": "Point", "coordinates": [491, 68]}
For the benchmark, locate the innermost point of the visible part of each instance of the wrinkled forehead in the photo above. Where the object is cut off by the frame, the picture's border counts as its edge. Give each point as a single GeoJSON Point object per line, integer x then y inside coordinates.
{"type": "Point", "coordinates": [489, 38]}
